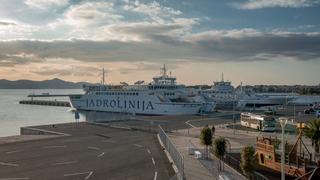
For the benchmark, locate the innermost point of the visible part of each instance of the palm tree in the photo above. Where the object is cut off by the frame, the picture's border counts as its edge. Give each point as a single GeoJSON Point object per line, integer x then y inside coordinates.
{"type": "Point", "coordinates": [220, 148]}
{"type": "Point", "coordinates": [206, 138]}
{"type": "Point", "coordinates": [248, 160]}
{"type": "Point", "coordinates": [312, 131]}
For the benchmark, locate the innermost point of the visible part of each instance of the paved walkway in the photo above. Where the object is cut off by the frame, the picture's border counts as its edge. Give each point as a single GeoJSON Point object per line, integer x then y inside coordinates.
{"type": "Point", "coordinates": [200, 169]}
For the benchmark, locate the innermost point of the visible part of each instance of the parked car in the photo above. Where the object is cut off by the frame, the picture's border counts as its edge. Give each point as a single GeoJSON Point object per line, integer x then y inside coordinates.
{"type": "Point", "coordinates": [318, 113]}
{"type": "Point", "coordinates": [306, 111]}
{"type": "Point", "coordinates": [309, 111]}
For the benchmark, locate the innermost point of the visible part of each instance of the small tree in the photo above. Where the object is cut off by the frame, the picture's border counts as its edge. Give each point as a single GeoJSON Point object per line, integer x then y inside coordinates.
{"type": "Point", "coordinates": [312, 131]}
{"type": "Point", "coordinates": [206, 138]}
{"type": "Point", "coordinates": [248, 160]}
{"type": "Point", "coordinates": [220, 149]}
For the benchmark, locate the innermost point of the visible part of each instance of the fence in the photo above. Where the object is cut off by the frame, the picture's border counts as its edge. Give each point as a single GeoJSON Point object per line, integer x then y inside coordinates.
{"type": "Point", "coordinates": [232, 161]}
{"type": "Point", "coordinates": [174, 153]}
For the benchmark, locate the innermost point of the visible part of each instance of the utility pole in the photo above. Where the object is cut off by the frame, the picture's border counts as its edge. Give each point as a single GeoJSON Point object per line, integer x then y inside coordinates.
{"type": "Point", "coordinates": [233, 118]}
{"type": "Point", "coordinates": [283, 122]}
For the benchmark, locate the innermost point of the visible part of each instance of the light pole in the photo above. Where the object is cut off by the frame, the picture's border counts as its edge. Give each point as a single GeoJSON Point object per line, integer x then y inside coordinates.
{"type": "Point", "coordinates": [233, 109]}
{"type": "Point", "coordinates": [283, 122]}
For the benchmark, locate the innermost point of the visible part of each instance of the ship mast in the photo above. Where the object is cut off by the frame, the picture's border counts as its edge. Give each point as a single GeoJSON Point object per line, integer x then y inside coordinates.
{"type": "Point", "coordinates": [103, 76]}
{"type": "Point", "coordinates": [163, 71]}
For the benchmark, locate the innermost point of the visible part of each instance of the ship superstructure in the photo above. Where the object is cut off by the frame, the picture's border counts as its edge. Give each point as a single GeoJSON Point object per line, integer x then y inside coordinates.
{"type": "Point", "coordinates": [228, 97]}
{"type": "Point", "coordinates": [163, 96]}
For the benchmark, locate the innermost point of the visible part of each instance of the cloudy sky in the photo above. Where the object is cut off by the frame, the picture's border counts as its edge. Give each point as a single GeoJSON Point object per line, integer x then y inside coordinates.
{"type": "Point", "coordinates": [253, 41]}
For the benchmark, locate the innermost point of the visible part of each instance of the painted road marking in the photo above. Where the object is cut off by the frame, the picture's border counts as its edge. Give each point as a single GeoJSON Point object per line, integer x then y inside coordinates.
{"type": "Point", "coordinates": [76, 174]}
{"type": "Point", "coordinates": [188, 122]}
{"type": "Point", "coordinates": [149, 151]}
{"type": "Point", "coordinates": [80, 173]}
{"type": "Point", "coordinates": [155, 175]}
{"type": "Point", "coordinates": [138, 145]}
{"type": "Point", "coordinates": [49, 147]}
{"type": "Point", "coordinates": [154, 163]}
{"type": "Point", "coordinates": [94, 148]}
{"type": "Point", "coordinates": [8, 164]}
{"type": "Point", "coordinates": [100, 155]}
{"type": "Point", "coordinates": [14, 178]}
{"type": "Point", "coordinates": [64, 163]}
{"type": "Point", "coordinates": [11, 152]}
{"type": "Point", "coordinates": [89, 175]}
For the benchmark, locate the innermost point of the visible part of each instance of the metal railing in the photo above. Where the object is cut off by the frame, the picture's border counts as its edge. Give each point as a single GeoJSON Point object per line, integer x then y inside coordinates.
{"type": "Point", "coordinates": [174, 153]}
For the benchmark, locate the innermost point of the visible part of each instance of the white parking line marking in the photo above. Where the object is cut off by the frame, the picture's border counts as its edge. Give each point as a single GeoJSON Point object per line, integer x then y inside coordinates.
{"type": "Point", "coordinates": [64, 163]}
{"type": "Point", "coordinates": [8, 164]}
{"type": "Point", "coordinates": [11, 152]}
{"type": "Point", "coordinates": [154, 163]}
{"type": "Point", "coordinates": [80, 173]}
{"type": "Point", "coordinates": [155, 175]}
{"type": "Point", "coordinates": [149, 151]}
{"type": "Point", "coordinates": [89, 175]}
{"type": "Point", "coordinates": [100, 155]}
{"type": "Point", "coordinates": [14, 178]}
{"type": "Point", "coordinates": [75, 174]}
{"type": "Point", "coordinates": [188, 122]}
{"type": "Point", "coordinates": [49, 147]}
{"type": "Point", "coordinates": [138, 145]}
{"type": "Point", "coordinates": [94, 148]}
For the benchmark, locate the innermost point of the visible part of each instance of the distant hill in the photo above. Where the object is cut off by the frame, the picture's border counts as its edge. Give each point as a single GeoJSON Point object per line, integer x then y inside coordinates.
{"type": "Point", "coordinates": [46, 84]}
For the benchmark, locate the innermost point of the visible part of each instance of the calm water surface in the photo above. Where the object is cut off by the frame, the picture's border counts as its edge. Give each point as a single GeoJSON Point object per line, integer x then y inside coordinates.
{"type": "Point", "coordinates": [14, 115]}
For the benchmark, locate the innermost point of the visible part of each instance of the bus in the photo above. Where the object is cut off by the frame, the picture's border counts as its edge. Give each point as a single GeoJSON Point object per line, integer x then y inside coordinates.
{"type": "Point", "coordinates": [259, 122]}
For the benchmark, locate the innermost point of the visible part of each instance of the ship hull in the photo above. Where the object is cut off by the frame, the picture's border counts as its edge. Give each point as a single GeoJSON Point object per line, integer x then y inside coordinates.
{"type": "Point", "coordinates": [135, 104]}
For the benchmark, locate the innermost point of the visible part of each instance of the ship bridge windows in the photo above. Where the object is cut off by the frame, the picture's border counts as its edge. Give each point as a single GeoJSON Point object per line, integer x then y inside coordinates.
{"type": "Point", "coordinates": [118, 93]}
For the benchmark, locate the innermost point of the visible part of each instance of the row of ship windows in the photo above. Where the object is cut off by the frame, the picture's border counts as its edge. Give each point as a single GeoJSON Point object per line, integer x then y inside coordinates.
{"type": "Point", "coordinates": [118, 93]}
{"type": "Point", "coordinates": [217, 92]}
{"type": "Point", "coordinates": [169, 94]}
{"type": "Point", "coordinates": [163, 87]}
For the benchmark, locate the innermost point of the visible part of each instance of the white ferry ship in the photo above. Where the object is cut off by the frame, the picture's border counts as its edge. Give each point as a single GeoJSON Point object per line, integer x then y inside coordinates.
{"type": "Point", "coordinates": [161, 97]}
{"type": "Point", "coordinates": [223, 93]}
{"type": "Point", "coordinates": [227, 97]}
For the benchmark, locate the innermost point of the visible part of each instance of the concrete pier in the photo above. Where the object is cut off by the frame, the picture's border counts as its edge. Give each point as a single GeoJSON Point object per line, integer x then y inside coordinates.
{"type": "Point", "coordinates": [46, 103]}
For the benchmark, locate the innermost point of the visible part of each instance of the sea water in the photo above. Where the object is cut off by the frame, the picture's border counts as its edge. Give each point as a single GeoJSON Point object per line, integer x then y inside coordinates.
{"type": "Point", "coordinates": [14, 115]}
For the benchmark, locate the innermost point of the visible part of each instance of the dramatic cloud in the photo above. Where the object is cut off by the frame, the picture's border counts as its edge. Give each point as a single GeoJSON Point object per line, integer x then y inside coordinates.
{"type": "Point", "coordinates": [154, 10]}
{"type": "Point", "coordinates": [142, 66]}
{"type": "Point", "coordinates": [240, 45]}
{"type": "Point", "coordinates": [91, 13]}
{"type": "Point", "coordinates": [68, 38]}
{"type": "Point", "coordinates": [259, 4]}
{"type": "Point", "coordinates": [234, 46]}
{"type": "Point", "coordinates": [10, 60]}
{"type": "Point", "coordinates": [5, 23]}
{"type": "Point", "coordinates": [42, 4]}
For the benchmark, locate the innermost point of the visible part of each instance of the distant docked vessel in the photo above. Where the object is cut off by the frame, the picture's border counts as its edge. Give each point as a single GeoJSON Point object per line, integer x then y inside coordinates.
{"type": "Point", "coordinates": [163, 96]}
{"type": "Point", "coordinates": [227, 97]}
{"type": "Point", "coordinates": [223, 93]}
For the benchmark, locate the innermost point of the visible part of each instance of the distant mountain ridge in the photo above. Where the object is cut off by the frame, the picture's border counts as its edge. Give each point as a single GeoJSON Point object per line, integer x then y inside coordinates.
{"type": "Point", "coordinates": [46, 84]}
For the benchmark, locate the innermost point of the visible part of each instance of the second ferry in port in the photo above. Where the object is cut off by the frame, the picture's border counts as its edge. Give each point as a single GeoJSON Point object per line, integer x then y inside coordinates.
{"type": "Point", "coordinates": [163, 96]}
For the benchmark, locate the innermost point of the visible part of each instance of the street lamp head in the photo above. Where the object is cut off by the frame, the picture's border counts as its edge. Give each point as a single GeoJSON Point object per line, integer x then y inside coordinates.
{"type": "Point", "coordinates": [283, 121]}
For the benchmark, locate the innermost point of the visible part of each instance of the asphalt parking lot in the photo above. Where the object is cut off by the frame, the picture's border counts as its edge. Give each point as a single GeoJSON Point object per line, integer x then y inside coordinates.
{"type": "Point", "coordinates": [90, 153]}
